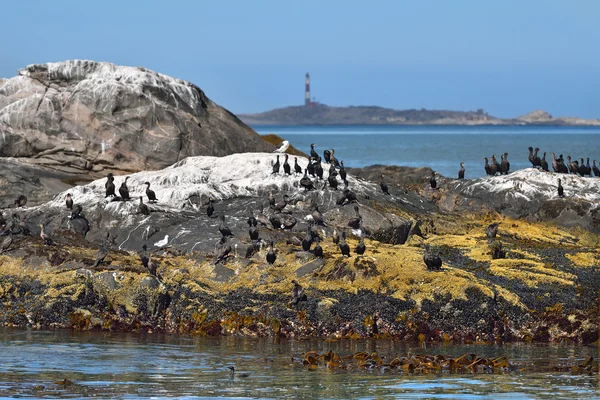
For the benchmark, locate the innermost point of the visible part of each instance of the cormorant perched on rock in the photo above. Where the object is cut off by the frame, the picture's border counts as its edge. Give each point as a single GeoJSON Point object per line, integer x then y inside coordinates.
{"type": "Point", "coordinates": [306, 182]}
{"type": "Point", "coordinates": [360, 247]}
{"type": "Point", "coordinates": [335, 236]}
{"type": "Point", "coordinates": [20, 201]}
{"type": "Point", "coordinates": [45, 237]}
{"type": "Point", "coordinates": [350, 195]}
{"type": "Point", "coordinates": [271, 199]}
{"type": "Point", "coordinates": [124, 190]}
{"type": "Point", "coordinates": [287, 169]}
{"type": "Point", "coordinates": [544, 163]}
{"type": "Point", "coordinates": [318, 217]}
{"type": "Point", "coordinates": [110, 187]}
{"type": "Point", "coordinates": [318, 250]}
{"type": "Point", "coordinates": [588, 169]}
{"type": "Point", "coordinates": [69, 201]}
{"type": "Point", "coordinates": [383, 186]}
{"type": "Point", "coordinates": [281, 205]}
{"type": "Point", "coordinates": [210, 209]}
{"type": "Point", "coordinates": [461, 171]}
{"type": "Point", "coordinates": [494, 166]}
{"type": "Point", "coordinates": [108, 179]}
{"type": "Point", "coordinates": [332, 181]}
{"type": "Point", "coordinates": [311, 166]}
{"type": "Point", "coordinates": [224, 229]}
{"type": "Point", "coordinates": [595, 169]}
{"type": "Point", "coordinates": [488, 170]}
{"type": "Point", "coordinates": [150, 193]}
{"type": "Point", "coordinates": [276, 166]}
{"type": "Point", "coordinates": [355, 222]}
{"type": "Point", "coordinates": [561, 163]}
{"type": "Point", "coordinates": [507, 163]}
{"type": "Point", "coordinates": [77, 210]}
{"type": "Point", "coordinates": [491, 231]}
{"type": "Point", "coordinates": [271, 256]}
{"type": "Point", "coordinates": [536, 159]}
{"type": "Point", "coordinates": [6, 243]}
{"type": "Point", "coordinates": [332, 171]}
{"type": "Point", "coordinates": [327, 156]}
{"type": "Point", "coordinates": [307, 241]}
{"type": "Point", "coordinates": [298, 294]}
{"type": "Point", "coordinates": [103, 252]}
{"type": "Point", "coordinates": [319, 168]}
{"type": "Point", "coordinates": [143, 208]}
{"type": "Point", "coordinates": [432, 181]}
{"type": "Point", "coordinates": [572, 166]}
{"type": "Point", "coordinates": [432, 261]}
{"type": "Point", "coordinates": [297, 167]}
{"type": "Point", "coordinates": [144, 256]}
{"type": "Point", "coordinates": [333, 160]}
{"type": "Point", "coordinates": [313, 153]}
{"type": "Point", "coordinates": [223, 251]}
{"type": "Point", "coordinates": [343, 173]}
{"type": "Point", "coordinates": [152, 266]}
{"type": "Point", "coordinates": [555, 165]}
{"type": "Point", "coordinates": [344, 248]}
{"type": "Point", "coordinates": [561, 191]}
{"type": "Point", "coordinates": [581, 167]}
{"type": "Point", "coordinates": [252, 231]}
{"type": "Point", "coordinates": [262, 218]}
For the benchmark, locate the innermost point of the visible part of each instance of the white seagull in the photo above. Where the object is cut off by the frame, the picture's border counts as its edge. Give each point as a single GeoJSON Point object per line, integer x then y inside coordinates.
{"type": "Point", "coordinates": [163, 242]}
{"type": "Point", "coordinates": [284, 146]}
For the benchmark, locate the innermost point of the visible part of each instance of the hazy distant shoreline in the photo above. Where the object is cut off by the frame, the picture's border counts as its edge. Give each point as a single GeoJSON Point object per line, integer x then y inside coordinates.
{"type": "Point", "coordinates": [320, 114]}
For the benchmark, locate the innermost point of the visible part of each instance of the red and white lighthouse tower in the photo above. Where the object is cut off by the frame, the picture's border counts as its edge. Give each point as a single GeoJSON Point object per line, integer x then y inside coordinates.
{"type": "Point", "coordinates": [307, 91]}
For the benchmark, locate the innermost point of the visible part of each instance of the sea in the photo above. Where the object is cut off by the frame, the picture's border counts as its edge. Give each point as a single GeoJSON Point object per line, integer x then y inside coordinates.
{"type": "Point", "coordinates": [441, 148]}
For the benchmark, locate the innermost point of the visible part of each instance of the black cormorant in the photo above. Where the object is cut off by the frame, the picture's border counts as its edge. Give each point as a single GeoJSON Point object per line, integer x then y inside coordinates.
{"type": "Point", "coordinates": [383, 186]}
{"type": "Point", "coordinates": [488, 170]}
{"type": "Point", "coordinates": [507, 167]}
{"type": "Point", "coordinates": [223, 251]}
{"type": "Point", "coordinates": [581, 167]}
{"type": "Point", "coordinates": [327, 156]}
{"type": "Point", "coordinates": [276, 166]}
{"type": "Point", "coordinates": [307, 241]}
{"type": "Point", "coordinates": [537, 161]}
{"type": "Point", "coordinates": [281, 205]}
{"type": "Point", "coordinates": [313, 153]}
{"type": "Point", "coordinates": [110, 187]}
{"type": "Point", "coordinates": [297, 167]}
{"type": "Point", "coordinates": [150, 193]}
{"type": "Point", "coordinates": [311, 166]}
{"type": "Point", "coordinates": [318, 250]}
{"type": "Point", "coordinates": [143, 208]}
{"type": "Point", "coordinates": [271, 256]}
{"type": "Point", "coordinates": [252, 231]}
{"type": "Point", "coordinates": [335, 236]}
{"type": "Point", "coordinates": [144, 256]}
{"type": "Point", "coordinates": [298, 294]}
{"type": "Point", "coordinates": [319, 168]}
{"type": "Point", "coordinates": [333, 160]}
{"type": "Point", "coordinates": [344, 248]}
{"type": "Point", "coordinates": [224, 229]}
{"type": "Point", "coordinates": [555, 165]}
{"type": "Point", "coordinates": [360, 247]}
{"type": "Point", "coordinates": [432, 181]}
{"type": "Point", "coordinates": [124, 190]}
{"type": "Point", "coordinates": [588, 169]}
{"type": "Point", "coordinates": [432, 261]}
{"type": "Point", "coordinates": [461, 171]}
{"type": "Point", "coordinates": [332, 181]}
{"type": "Point", "coordinates": [317, 216]}
{"type": "Point", "coordinates": [494, 167]}
{"type": "Point", "coordinates": [108, 179]}
{"type": "Point", "coordinates": [210, 209]}
{"type": "Point", "coordinates": [595, 169]}
{"type": "Point", "coordinates": [561, 191]}
{"type": "Point", "coordinates": [343, 173]}
{"type": "Point", "coordinates": [69, 201]}
{"type": "Point", "coordinates": [306, 182]}
{"type": "Point", "coordinates": [21, 201]}
{"type": "Point", "coordinates": [287, 169]}
{"type": "Point", "coordinates": [232, 373]}
{"type": "Point", "coordinates": [544, 163]}
{"type": "Point", "coordinates": [355, 222]}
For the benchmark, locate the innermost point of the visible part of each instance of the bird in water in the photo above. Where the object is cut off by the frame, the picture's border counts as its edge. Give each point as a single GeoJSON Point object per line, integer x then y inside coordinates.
{"type": "Point", "coordinates": [318, 250]}
{"type": "Point", "coordinates": [143, 208]}
{"type": "Point", "coordinates": [317, 216]}
{"type": "Point", "coordinates": [287, 169]}
{"type": "Point", "coordinates": [344, 248]}
{"type": "Point", "coordinates": [383, 186]}
{"type": "Point", "coordinates": [544, 163]}
{"type": "Point", "coordinates": [297, 167]}
{"type": "Point", "coordinates": [360, 247]}
{"type": "Point", "coordinates": [45, 237]}
{"type": "Point", "coordinates": [461, 171]}
{"type": "Point", "coordinates": [110, 186]}
{"type": "Point", "coordinates": [343, 173]}
{"type": "Point", "coordinates": [355, 222]}
{"type": "Point", "coordinates": [271, 256]}
{"type": "Point", "coordinates": [150, 193]}
{"type": "Point", "coordinates": [103, 252]}
{"type": "Point", "coordinates": [596, 170]}
{"type": "Point", "coordinates": [232, 373]}
{"type": "Point", "coordinates": [278, 207]}
{"type": "Point", "coordinates": [210, 209]}
{"type": "Point", "coordinates": [327, 156]}
{"type": "Point", "coordinates": [313, 153]}
{"type": "Point", "coordinates": [276, 166]}
{"type": "Point", "coordinates": [335, 236]}
{"type": "Point", "coordinates": [20, 201]}
{"type": "Point", "coordinates": [69, 201]}
{"type": "Point", "coordinates": [306, 182]}
{"type": "Point", "coordinates": [6, 243]}
{"type": "Point", "coordinates": [298, 294]}
{"type": "Point", "coordinates": [432, 261]}
{"type": "Point", "coordinates": [561, 191]}
{"type": "Point", "coordinates": [491, 231]}
{"type": "Point", "coordinates": [124, 190]}
{"type": "Point", "coordinates": [224, 229]}
{"type": "Point", "coordinates": [432, 181]}
{"type": "Point", "coordinates": [223, 251]}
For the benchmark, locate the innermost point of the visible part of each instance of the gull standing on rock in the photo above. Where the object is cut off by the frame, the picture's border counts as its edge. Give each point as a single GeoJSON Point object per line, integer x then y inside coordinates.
{"type": "Point", "coordinates": [284, 146]}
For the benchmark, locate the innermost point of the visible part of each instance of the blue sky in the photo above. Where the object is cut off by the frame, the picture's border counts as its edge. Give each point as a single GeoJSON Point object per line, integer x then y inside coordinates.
{"type": "Point", "coordinates": [508, 57]}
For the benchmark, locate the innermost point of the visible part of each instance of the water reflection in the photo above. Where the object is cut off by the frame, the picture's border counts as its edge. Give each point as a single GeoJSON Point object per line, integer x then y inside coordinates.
{"type": "Point", "coordinates": [130, 365]}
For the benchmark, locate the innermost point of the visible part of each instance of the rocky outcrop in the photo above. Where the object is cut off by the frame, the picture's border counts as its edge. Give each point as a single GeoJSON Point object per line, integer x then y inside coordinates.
{"type": "Point", "coordinates": [85, 117]}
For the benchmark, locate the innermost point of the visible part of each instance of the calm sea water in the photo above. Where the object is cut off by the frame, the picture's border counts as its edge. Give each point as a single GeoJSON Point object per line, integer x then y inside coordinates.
{"type": "Point", "coordinates": [441, 147]}
{"type": "Point", "coordinates": [133, 366]}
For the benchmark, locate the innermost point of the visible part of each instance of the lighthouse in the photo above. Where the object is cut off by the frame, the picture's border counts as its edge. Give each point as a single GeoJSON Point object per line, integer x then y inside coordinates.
{"type": "Point", "coordinates": [307, 91]}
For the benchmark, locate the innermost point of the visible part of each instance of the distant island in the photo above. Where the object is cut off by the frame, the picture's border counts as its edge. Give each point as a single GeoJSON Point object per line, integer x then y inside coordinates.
{"type": "Point", "coordinates": [321, 114]}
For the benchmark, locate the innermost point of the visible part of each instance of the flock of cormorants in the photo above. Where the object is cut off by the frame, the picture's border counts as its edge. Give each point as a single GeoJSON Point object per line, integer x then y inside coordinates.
{"type": "Point", "coordinates": [313, 174]}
